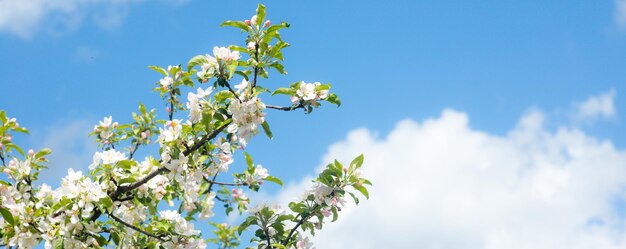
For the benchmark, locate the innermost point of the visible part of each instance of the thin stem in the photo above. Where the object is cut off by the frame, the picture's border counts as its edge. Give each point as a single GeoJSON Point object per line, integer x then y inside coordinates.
{"type": "Point", "coordinates": [302, 220]}
{"type": "Point", "coordinates": [233, 91]}
{"type": "Point", "coordinates": [134, 149]}
{"type": "Point", "coordinates": [135, 228]}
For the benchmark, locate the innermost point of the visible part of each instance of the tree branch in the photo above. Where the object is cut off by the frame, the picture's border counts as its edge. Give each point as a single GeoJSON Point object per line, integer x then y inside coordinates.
{"type": "Point", "coordinates": [135, 228]}
{"type": "Point", "coordinates": [285, 108]}
{"type": "Point", "coordinates": [302, 220]}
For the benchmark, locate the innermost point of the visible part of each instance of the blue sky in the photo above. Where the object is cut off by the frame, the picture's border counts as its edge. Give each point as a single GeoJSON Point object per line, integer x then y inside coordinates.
{"type": "Point", "coordinates": [64, 68]}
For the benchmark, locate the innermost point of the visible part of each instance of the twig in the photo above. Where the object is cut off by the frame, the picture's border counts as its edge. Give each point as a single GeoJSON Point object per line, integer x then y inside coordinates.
{"type": "Point", "coordinates": [285, 108]}
{"type": "Point", "coordinates": [135, 228]}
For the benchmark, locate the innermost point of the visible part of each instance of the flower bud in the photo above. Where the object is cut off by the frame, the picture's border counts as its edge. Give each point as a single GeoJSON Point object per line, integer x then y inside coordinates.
{"type": "Point", "coordinates": [168, 110]}
{"type": "Point", "coordinates": [9, 138]}
{"type": "Point", "coordinates": [247, 22]}
{"type": "Point", "coordinates": [253, 20]}
{"type": "Point", "coordinates": [251, 45]}
{"type": "Point", "coordinates": [31, 152]}
{"type": "Point", "coordinates": [267, 23]}
{"type": "Point", "coordinates": [106, 142]}
{"type": "Point", "coordinates": [144, 135]}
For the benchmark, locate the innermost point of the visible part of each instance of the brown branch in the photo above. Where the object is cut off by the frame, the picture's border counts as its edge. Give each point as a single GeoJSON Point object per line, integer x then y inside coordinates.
{"type": "Point", "coordinates": [135, 228]}
{"type": "Point", "coordinates": [285, 108]}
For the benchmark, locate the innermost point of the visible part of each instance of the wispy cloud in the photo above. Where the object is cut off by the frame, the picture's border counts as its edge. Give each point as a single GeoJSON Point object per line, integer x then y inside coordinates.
{"type": "Point", "coordinates": [596, 107]}
{"type": "Point", "coordinates": [620, 13]}
{"type": "Point", "coordinates": [439, 183]}
{"type": "Point", "coordinates": [25, 17]}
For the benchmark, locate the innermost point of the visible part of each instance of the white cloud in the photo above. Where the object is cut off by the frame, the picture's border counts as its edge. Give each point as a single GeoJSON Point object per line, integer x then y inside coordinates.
{"type": "Point", "coordinates": [620, 13]}
{"type": "Point", "coordinates": [24, 17]}
{"type": "Point", "coordinates": [595, 107]}
{"type": "Point", "coordinates": [440, 184]}
{"type": "Point", "coordinates": [71, 148]}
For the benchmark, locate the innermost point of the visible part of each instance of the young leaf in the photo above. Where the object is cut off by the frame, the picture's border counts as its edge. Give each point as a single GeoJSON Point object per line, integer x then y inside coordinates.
{"type": "Point", "coordinates": [266, 128]}
{"type": "Point", "coordinates": [274, 180]}
{"type": "Point", "coordinates": [159, 69]}
{"type": "Point", "coordinates": [7, 215]}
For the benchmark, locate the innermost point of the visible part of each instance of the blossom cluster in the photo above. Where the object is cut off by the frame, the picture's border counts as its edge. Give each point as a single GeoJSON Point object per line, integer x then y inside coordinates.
{"type": "Point", "coordinates": [117, 202]}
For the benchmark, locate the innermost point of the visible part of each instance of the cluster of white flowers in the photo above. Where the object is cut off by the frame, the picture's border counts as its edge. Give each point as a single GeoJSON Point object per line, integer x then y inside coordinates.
{"type": "Point", "coordinates": [308, 93]}
{"type": "Point", "coordinates": [258, 176]}
{"type": "Point", "coordinates": [214, 65]}
{"type": "Point", "coordinates": [194, 105]}
{"type": "Point", "coordinates": [207, 206]}
{"type": "Point", "coordinates": [247, 115]}
{"type": "Point", "coordinates": [18, 169]}
{"type": "Point", "coordinates": [183, 228]}
{"type": "Point", "coordinates": [239, 196]}
{"type": "Point", "coordinates": [17, 199]}
{"type": "Point", "coordinates": [304, 243]}
{"type": "Point", "coordinates": [167, 81]}
{"type": "Point", "coordinates": [224, 155]}
{"type": "Point", "coordinates": [170, 132]}
{"type": "Point", "coordinates": [110, 157]}
{"type": "Point", "coordinates": [105, 129]}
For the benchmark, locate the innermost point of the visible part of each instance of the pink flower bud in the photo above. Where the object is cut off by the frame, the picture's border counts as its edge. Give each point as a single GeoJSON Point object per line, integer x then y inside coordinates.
{"type": "Point", "coordinates": [168, 110]}
{"type": "Point", "coordinates": [144, 135]}
{"type": "Point", "coordinates": [247, 22]}
{"type": "Point", "coordinates": [106, 141]}
{"type": "Point", "coordinates": [253, 20]}
{"type": "Point", "coordinates": [345, 170]}
{"type": "Point", "coordinates": [17, 125]}
{"type": "Point", "coordinates": [7, 171]}
{"type": "Point", "coordinates": [205, 80]}
{"type": "Point", "coordinates": [0, 145]}
{"type": "Point", "coordinates": [267, 23]}
{"type": "Point", "coordinates": [31, 152]}
{"type": "Point", "coordinates": [9, 138]}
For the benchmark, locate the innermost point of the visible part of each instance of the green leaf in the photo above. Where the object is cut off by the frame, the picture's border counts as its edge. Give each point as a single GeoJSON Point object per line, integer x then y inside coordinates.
{"type": "Point", "coordinates": [8, 217]}
{"type": "Point", "coordinates": [101, 240]}
{"type": "Point", "coordinates": [196, 61]}
{"type": "Point", "coordinates": [333, 99]}
{"type": "Point", "coordinates": [58, 244]}
{"type": "Point", "coordinates": [249, 161]}
{"type": "Point", "coordinates": [356, 200]}
{"type": "Point", "coordinates": [159, 69]}
{"type": "Point", "coordinates": [15, 147]}
{"type": "Point", "coordinates": [274, 180]}
{"type": "Point", "coordinates": [361, 189]}
{"type": "Point", "coordinates": [106, 202]}
{"type": "Point", "coordinates": [266, 128]}
{"type": "Point", "coordinates": [279, 67]}
{"type": "Point", "coordinates": [236, 24]}
{"type": "Point", "coordinates": [277, 27]}
{"type": "Point", "coordinates": [260, 14]}
{"type": "Point", "coordinates": [357, 162]}
{"type": "Point", "coordinates": [115, 237]}
{"type": "Point", "coordinates": [43, 152]}
{"type": "Point", "coordinates": [283, 90]}
{"type": "Point", "coordinates": [232, 67]}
